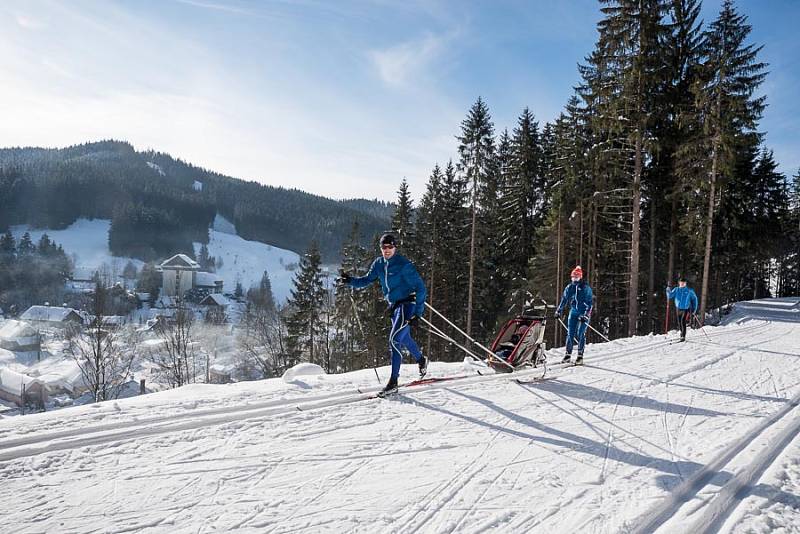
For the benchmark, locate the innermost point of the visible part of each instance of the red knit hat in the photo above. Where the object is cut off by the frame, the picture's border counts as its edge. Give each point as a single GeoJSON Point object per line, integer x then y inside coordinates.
{"type": "Point", "coordinates": [577, 271]}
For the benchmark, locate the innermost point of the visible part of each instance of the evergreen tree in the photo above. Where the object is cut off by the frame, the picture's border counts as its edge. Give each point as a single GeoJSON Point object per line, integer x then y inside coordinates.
{"type": "Point", "coordinates": [305, 304]}
{"type": "Point", "coordinates": [630, 40]}
{"type": "Point", "coordinates": [477, 164]}
{"type": "Point", "coordinates": [726, 109]}
{"type": "Point", "coordinates": [402, 220]}
{"type": "Point", "coordinates": [26, 246]}
{"type": "Point", "coordinates": [430, 222]}
{"type": "Point", "coordinates": [523, 201]}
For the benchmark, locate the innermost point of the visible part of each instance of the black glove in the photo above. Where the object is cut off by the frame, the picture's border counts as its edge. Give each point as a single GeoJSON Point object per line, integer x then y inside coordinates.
{"type": "Point", "coordinates": [344, 278]}
{"type": "Point", "coordinates": [559, 312]}
{"type": "Point", "coordinates": [584, 318]}
{"type": "Point", "coordinates": [413, 320]}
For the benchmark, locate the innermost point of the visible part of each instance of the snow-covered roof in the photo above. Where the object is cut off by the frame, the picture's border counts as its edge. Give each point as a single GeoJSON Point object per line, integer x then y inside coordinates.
{"type": "Point", "coordinates": [115, 320]}
{"type": "Point", "coordinates": [165, 301]}
{"type": "Point", "coordinates": [204, 279]}
{"type": "Point", "coordinates": [180, 261]}
{"type": "Point", "coordinates": [12, 381]}
{"type": "Point", "coordinates": [13, 330]}
{"type": "Point", "coordinates": [215, 299]}
{"type": "Point", "coordinates": [52, 314]}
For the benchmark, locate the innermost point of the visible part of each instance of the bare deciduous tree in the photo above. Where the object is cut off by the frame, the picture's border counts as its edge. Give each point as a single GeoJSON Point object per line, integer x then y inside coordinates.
{"type": "Point", "coordinates": [104, 357]}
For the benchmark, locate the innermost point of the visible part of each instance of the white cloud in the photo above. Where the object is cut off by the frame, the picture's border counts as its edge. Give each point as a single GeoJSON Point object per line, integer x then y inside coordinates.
{"type": "Point", "coordinates": [29, 23]}
{"type": "Point", "coordinates": [400, 64]}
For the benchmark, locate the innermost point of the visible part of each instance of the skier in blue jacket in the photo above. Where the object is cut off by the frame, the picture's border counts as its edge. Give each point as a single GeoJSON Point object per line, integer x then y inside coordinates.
{"type": "Point", "coordinates": [405, 293]}
{"type": "Point", "coordinates": [579, 296]}
{"type": "Point", "coordinates": [685, 303]}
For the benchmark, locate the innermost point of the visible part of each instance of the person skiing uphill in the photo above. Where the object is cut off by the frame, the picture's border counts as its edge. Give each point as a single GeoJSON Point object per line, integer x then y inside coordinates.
{"type": "Point", "coordinates": [405, 293]}
{"type": "Point", "coordinates": [685, 300]}
{"type": "Point", "coordinates": [579, 296]}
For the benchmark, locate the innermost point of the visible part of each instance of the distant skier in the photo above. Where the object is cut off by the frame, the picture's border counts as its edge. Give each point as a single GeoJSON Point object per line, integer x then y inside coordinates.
{"type": "Point", "coordinates": [579, 296]}
{"type": "Point", "coordinates": [405, 293]}
{"type": "Point", "coordinates": [685, 303]}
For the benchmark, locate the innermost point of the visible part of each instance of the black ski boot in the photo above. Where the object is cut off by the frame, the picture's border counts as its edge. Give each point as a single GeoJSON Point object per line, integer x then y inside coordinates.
{"type": "Point", "coordinates": [579, 360]}
{"type": "Point", "coordinates": [567, 358]}
{"type": "Point", "coordinates": [423, 366]}
{"type": "Point", "coordinates": [391, 387]}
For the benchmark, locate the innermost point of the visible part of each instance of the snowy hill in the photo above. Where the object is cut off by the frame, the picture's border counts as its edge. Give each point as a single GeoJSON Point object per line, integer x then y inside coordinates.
{"type": "Point", "coordinates": [243, 260]}
{"type": "Point", "coordinates": [649, 436]}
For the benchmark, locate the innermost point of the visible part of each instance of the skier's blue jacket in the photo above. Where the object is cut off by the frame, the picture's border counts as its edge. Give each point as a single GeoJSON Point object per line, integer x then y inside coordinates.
{"type": "Point", "coordinates": [685, 298]}
{"type": "Point", "coordinates": [579, 297]}
{"type": "Point", "coordinates": [399, 280]}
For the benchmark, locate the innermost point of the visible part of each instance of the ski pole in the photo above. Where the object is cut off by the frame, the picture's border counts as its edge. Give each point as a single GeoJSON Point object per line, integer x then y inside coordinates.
{"type": "Point", "coordinates": [574, 340]}
{"type": "Point", "coordinates": [697, 320]}
{"type": "Point", "coordinates": [598, 333]}
{"type": "Point", "coordinates": [489, 352]}
{"type": "Point", "coordinates": [364, 335]}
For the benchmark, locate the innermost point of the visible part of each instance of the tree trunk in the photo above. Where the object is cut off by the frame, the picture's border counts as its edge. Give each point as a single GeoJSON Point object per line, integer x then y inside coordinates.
{"type": "Point", "coordinates": [633, 295]}
{"type": "Point", "coordinates": [651, 281]}
{"type": "Point", "coordinates": [472, 252]}
{"type": "Point", "coordinates": [709, 227]}
{"type": "Point", "coordinates": [556, 330]}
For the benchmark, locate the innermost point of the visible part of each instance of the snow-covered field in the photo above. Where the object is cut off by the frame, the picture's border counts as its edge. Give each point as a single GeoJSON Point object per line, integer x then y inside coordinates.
{"type": "Point", "coordinates": [695, 437]}
{"type": "Point", "coordinates": [246, 261]}
{"type": "Point", "coordinates": [243, 260]}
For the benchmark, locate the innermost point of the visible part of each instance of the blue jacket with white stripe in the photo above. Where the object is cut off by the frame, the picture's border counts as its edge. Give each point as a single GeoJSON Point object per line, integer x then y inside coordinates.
{"type": "Point", "coordinates": [399, 280]}
{"type": "Point", "coordinates": [579, 297]}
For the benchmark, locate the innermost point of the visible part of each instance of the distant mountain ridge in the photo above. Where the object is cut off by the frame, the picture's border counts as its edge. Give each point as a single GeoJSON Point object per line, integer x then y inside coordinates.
{"type": "Point", "coordinates": [159, 204]}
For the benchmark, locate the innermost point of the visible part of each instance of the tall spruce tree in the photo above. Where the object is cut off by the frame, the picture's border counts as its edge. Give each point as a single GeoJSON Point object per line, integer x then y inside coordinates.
{"type": "Point", "coordinates": [477, 164]}
{"type": "Point", "coordinates": [726, 108]}
{"type": "Point", "coordinates": [430, 222]}
{"type": "Point", "coordinates": [631, 34]}
{"type": "Point", "coordinates": [305, 303]}
{"type": "Point", "coordinates": [403, 220]}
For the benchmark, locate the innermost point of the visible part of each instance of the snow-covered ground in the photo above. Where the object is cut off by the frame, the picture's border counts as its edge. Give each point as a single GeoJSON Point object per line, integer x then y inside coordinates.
{"type": "Point", "coordinates": [243, 260]}
{"type": "Point", "coordinates": [648, 436]}
{"type": "Point", "coordinates": [87, 240]}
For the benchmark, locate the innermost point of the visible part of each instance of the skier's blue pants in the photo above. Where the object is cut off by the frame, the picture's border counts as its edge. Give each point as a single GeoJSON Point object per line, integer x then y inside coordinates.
{"type": "Point", "coordinates": [400, 336]}
{"type": "Point", "coordinates": [576, 330]}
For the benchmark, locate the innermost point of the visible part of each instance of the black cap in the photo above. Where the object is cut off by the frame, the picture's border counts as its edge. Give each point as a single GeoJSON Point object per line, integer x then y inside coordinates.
{"type": "Point", "coordinates": [388, 239]}
{"type": "Point", "coordinates": [682, 278]}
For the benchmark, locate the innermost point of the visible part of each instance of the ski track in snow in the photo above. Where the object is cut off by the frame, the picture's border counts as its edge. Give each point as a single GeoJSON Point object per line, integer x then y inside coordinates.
{"type": "Point", "coordinates": [694, 437]}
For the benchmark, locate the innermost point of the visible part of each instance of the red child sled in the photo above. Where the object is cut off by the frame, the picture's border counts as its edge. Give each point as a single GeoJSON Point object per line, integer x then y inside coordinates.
{"type": "Point", "coordinates": [520, 343]}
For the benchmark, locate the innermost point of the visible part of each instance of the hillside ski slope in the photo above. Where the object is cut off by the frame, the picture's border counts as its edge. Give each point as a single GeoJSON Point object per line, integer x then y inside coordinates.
{"type": "Point", "coordinates": [648, 436]}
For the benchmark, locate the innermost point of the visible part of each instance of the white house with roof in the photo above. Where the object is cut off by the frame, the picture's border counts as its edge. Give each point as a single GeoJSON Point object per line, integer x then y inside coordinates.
{"type": "Point", "coordinates": [180, 273]}
{"type": "Point", "coordinates": [19, 388]}
{"type": "Point", "coordinates": [53, 316]}
{"type": "Point", "coordinates": [210, 282]}
{"type": "Point", "coordinates": [19, 336]}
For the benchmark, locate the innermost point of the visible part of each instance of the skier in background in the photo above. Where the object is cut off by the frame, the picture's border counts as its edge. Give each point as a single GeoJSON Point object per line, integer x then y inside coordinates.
{"type": "Point", "coordinates": [579, 296]}
{"type": "Point", "coordinates": [404, 291]}
{"type": "Point", "coordinates": [685, 303]}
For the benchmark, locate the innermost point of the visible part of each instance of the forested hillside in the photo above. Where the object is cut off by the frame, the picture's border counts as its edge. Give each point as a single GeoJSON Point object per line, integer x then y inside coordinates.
{"type": "Point", "coordinates": [158, 205]}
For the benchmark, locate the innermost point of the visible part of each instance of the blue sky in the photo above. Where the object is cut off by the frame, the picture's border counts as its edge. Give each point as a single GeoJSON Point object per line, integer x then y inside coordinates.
{"type": "Point", "coordinates": [338, 98]}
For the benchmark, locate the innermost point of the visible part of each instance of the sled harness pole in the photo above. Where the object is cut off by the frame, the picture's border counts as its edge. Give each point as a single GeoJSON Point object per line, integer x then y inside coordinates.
{"type": "Point", "coordinates": [489, 352]}
{"type": "Point", "coordinates": [364, 335]}
{"type": "Point", "coordinates": [435, 331]}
